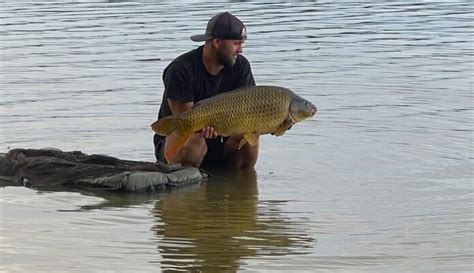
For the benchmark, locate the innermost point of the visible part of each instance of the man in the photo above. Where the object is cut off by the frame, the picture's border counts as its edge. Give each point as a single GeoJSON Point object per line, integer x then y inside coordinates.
{"type": "Point", "coordinates": [213, 68]}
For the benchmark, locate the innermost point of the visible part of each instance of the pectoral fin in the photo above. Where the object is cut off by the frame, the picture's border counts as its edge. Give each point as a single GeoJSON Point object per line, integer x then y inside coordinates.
{"type": "Point", "coordinates": [252, 139]}
{"type": "Point", "coordinates": [287, 123]}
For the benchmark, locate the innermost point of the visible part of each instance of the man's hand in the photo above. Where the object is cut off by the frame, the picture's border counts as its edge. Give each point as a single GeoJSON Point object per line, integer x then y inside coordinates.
{"type": "Point", "coordinates": [208, 132]}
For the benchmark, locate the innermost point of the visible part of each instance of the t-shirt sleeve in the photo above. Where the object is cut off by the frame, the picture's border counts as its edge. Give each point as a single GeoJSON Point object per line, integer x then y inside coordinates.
{"type": "Point", "coordinates": [177, 79]}
{"type": "Point", "coordinates": [244, 74]}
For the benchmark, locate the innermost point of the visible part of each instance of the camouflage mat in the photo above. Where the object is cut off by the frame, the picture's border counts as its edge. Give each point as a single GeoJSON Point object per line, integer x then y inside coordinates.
{"type": "Point", "coordinates": [55, 168]}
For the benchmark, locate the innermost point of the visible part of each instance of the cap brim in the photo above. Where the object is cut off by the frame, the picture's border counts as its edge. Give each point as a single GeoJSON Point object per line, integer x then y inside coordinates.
{"type": "Point", "coordinates": [200, 37]}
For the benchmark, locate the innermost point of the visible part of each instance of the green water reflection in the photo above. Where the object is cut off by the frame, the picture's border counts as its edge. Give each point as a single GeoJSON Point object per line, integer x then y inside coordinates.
{"type": "Point", "coordinates": [216, 226]}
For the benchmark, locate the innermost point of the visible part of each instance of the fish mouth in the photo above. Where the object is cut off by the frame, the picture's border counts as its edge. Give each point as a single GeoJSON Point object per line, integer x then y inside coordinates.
{"type": "Point", "coordinates": [313, 110]}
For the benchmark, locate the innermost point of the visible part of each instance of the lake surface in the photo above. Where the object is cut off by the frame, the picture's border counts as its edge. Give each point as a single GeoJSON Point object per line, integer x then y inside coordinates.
{"type": "Point", "coordinates": [379, 181]}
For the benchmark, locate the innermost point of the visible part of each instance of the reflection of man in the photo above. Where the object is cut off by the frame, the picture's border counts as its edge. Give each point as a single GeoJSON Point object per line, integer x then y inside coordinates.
{"type": "Point", "coordinates": [203, 226]}
{"type": "Point", "coordinates": [213, 228]}
{"type": "Point", "coordinates": [213, 68]}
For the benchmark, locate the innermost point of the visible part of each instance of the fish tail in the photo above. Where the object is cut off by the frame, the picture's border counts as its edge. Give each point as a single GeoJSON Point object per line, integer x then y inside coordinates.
{"type": "Point", "coordinates": [165, 126]}
{"type": "Point", "coordinates": [175, 142]}
{"type": "Point", "coordinates": [176, 131]}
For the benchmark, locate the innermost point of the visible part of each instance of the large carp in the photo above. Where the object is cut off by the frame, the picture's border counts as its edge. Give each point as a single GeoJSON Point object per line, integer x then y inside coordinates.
{"type": "Point", "coordinates": [249, 111]}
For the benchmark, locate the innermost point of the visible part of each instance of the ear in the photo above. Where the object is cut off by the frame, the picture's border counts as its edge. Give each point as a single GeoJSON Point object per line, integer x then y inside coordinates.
{"type": "Point", "coordinates": [216, 42]}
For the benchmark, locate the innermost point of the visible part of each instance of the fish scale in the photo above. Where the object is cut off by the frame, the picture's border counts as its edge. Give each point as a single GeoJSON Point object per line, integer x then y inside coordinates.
{"type": "Point", "coordinates": [249, 111]}
{"type": "Point", "coordinates": [237, 112]}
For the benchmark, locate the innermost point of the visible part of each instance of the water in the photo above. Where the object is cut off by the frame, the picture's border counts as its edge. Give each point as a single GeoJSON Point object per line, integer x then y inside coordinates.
{"type": "Point", "coordinates": [379, 181]}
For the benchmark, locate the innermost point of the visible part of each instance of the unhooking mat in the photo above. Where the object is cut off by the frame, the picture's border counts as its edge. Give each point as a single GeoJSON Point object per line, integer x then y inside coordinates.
{"type": "Point", "coordinates": [52, 168]}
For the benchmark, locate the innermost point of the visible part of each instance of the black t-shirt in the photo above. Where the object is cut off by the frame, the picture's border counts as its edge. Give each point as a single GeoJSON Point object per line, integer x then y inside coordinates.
{"type": "Point", "coordinates": [187, 80]}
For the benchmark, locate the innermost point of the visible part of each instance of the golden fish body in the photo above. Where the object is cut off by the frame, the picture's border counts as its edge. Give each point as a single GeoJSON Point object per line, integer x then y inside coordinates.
{"type": "Point", "coordinates": [250, 111]}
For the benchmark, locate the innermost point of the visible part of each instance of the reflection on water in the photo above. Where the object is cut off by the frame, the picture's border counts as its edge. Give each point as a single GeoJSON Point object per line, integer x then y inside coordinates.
{"type": "Point", "coordinates": [381, 179]}
{"type": "Point", "coordinates": [213, 228]}
{"type": "Point", "coordinates": [210, 227]}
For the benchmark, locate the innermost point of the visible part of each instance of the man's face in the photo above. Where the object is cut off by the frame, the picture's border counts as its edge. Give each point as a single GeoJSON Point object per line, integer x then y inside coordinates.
{"type": "Point", "coordinates": [229, 50]}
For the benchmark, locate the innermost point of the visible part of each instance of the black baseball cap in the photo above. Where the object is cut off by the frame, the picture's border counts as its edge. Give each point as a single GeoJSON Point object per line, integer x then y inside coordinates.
{"type": "Point", "coordinates": [223, 26]}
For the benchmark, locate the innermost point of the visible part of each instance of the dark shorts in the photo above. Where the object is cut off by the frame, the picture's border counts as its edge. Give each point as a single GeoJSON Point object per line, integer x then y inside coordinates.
{"type": "Point", "coordinates": [213, 158]}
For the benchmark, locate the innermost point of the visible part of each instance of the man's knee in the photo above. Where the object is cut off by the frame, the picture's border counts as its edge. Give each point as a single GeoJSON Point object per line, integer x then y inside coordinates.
{"type": "Point", "coordinates": [245, 157]}
{"type": "Point", "coordinates": [192, 152]}
{"type": "Point", "coordinates": [249, 156]}
{"type": "Point", "coordinates": [195, 147]}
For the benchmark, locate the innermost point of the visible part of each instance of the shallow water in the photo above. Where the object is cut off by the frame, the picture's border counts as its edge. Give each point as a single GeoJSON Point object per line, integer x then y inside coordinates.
{"type": "Point", "coordinates": [378, 181]}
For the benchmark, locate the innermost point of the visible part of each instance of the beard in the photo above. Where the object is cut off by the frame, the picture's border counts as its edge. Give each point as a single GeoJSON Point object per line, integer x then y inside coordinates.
{"type": "Point", "coordinates": [225, 59]}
